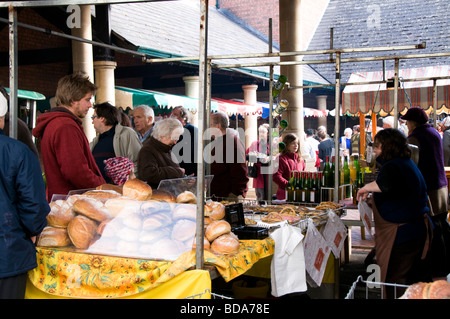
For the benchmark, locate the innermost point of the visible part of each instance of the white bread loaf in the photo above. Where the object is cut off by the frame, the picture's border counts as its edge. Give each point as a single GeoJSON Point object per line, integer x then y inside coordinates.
{"type": "Point", "coordinates": [92, 208]}
{"type": "Point", "coordinates": [217, 228]}
{"type": "Point", "coordinates": [61, 214]}
{"type": "Point", "coordinates": [53, 237]}
{"type": "Point", "coordinates": [136, 189]}
{"type": "Point", "coordinates": [225, 245]}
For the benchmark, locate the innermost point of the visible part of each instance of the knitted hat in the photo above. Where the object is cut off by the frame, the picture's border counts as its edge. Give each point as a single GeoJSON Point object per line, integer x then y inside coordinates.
{"type": "Point", "coordinates": [416, 114]}
{"type": "Point", "coordinates": [118, 169]}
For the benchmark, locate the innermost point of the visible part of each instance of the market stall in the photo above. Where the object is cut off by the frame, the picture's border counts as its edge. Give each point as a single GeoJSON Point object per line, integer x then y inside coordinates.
{"type": "Point", "coordinates": [111, 244]}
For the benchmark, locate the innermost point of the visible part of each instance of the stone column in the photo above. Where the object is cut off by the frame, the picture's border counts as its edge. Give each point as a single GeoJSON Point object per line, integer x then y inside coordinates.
{"type": "Point", "coordinates": [251, 120]}
{"type": "Point", "coordinates": [104, 79]}
{"type": "Point", "coordinates": [322, 105]}
{"type": "Point", "coordinates": [192, 89]}
{"type": "Point", "coordinates": [291, 40]}
{"type": "Point", "coordinates": [82, 59]}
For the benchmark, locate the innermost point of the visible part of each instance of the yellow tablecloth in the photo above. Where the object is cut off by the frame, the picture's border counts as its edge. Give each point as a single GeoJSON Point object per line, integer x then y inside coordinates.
{"type": "Point", "coordinates": [78, 275]}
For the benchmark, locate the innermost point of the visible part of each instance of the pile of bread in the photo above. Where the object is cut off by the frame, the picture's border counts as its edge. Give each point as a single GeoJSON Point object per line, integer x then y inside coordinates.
{"type": "Point", "coordinates": [439, 289]}
{"type": "Point", "coordinates": [131, 221]}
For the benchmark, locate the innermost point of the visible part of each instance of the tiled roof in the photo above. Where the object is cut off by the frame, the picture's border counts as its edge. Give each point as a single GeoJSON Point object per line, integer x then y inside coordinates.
{"type": "Point", "coordinates": [376, 23]}
{"type": "Point", "coordinates": [173, 27]}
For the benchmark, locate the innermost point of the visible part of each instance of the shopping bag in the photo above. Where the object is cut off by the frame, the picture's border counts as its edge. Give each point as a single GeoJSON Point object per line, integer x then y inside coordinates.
{"type": "Point", "coordinates": [334, 233]}
{"type": "Point", "coordinates": [366, 215]}
{"type": "Point", "coordinates": [316, 252]}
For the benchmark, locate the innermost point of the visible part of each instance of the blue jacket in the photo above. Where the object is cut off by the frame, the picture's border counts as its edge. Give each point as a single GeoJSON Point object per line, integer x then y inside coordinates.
{"type": "Point", "coordinates": [23, 206]}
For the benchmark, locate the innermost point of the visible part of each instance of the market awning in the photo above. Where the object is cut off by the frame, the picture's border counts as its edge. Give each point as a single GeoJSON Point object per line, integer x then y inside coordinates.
{"type": "Point", "coordinates": [29, 95]}
{"type": "Point", "coordinates": [128, 97]}
{"type": "Point", "coordinates": [368, 98]}
{"type": "Point", "coordinates": [307, 112]}
{"type": "Point", "coordinates": [236, 107]}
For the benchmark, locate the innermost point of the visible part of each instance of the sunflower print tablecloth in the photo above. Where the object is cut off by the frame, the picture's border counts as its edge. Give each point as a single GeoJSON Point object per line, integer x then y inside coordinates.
{"type": "Point", "coordinates": [79, 275]}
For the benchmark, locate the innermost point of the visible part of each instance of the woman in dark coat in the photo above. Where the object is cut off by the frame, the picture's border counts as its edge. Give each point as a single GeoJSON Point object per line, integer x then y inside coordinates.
{"type": "Point", "coordinates": [155, 161]}
{"type": "Point", "coordinates": [400, 207]}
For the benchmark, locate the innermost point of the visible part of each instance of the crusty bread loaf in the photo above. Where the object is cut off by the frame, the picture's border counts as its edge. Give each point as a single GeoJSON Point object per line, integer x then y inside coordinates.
{"type": "Point", "coordinates": [102, 195]}
{"type": "Point", "coordinates": [225, 245]}
{"type": "Point", "coordinates": [183, 229]}
{"type": "Point", "coordinates": [82, 231]}
{"type": "Point", "coordinates": [187, 197]}
{"type": "Point", "coordinates": [217, 228]}
{"type": "Point", "coordinates": [216, 210]}
{"type": "Point", "coordinates": [136, 189]}
{"type": "Point", "coordinates": [206, 243]}
{"type": "Point", "coordinates": [439, 289]}
{"type": "Point", "coordinates": [53, 237]}
{"type": "Point", "coordinates": [92, 208]}
{"type": "Point", "coordinates": [110, 187]}
{"type": "Point", "coordinates": [163, 196]}
{"type": "Point", "coordinates": [61, 214]}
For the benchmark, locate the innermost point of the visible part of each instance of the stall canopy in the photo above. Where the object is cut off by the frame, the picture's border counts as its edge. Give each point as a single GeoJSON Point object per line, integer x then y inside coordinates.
{"type": "Point", "coordinates": [129, 97]}
{"type": "Point", "coordinates": [376, 98]}
{"type": "Point", "coordinates": [307, 112]}
{"type": "Point", "coordinates": [28, 95]}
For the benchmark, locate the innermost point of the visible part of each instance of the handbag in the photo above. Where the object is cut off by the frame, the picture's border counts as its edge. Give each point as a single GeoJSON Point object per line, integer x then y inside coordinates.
{"type": "Point", "coordinates": [252, 171]}
{"type": "Point", "coordinates": [439, 254]}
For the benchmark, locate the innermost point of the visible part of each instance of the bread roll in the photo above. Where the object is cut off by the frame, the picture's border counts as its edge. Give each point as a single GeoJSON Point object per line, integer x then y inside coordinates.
{"type": "Point", "coordinates": [155, 207]}
{"type": "Point", "coordinates": [132, 220]}
{"type": "Point", "coordinates": [102, 195]}
{"type": "Point", "coordinates": [187, 197]}
{"type": "Point", "coordinates": [148, 237]}
{"type": "Point", "coordinates": [185, 211]}
{"type": "Point", "coordinates": [206, 243]}
{"type": "Point", "coordinates": [439, 289]}
{"type": "Point", "coordinates": [73, 198]}
{"type": "Point", "coordinates": [163, 196]}
{"type": "Point", "coordinates": [216, 210]}
{"type": "Point", "coordinates": [116, 205]}
{"type": "Point", "coordinates": [183, 229]}
{"type": "Point", "coordinates": [110, 187]}
{"type": "Point", "coordinates": [136, 189]}
{"type": "Point", "coordinates": [217, 228]}
{"type": "Point", "coordinates": [53, 237]}
{"type": "Point", "coordinates": [61, 214]}
{"type": "Point", "coordinates": [92, 208]}
{"type": "Point", "coordinates": [225, 245]}
{"type": "Point", "coordinates": [156, 221]}
{"type": "Point", "coordinates": [82, 231]}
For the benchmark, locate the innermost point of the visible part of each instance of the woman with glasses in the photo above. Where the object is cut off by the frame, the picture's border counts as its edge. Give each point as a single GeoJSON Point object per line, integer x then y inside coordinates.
{"type": "Point", "coordinates": [400, 207]}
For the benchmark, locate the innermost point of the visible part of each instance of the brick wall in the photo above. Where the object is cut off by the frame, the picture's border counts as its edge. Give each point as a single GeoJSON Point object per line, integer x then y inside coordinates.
{"type": "Point", "coordinates": [41, 78]}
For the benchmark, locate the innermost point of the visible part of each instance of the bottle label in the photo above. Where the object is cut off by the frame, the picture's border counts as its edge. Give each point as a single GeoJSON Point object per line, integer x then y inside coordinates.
{"type": "Point", "coordinates": [312, 196]}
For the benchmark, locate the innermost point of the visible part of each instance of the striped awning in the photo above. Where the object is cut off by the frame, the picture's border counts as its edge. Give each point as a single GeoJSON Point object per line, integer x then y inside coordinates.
{"type": "Point", "coordinates": [375, 98]}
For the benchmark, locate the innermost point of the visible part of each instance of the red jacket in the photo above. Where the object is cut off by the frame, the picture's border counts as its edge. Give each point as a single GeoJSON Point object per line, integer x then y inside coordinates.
{"type": "Point", "coordinates": [68, 160]}
{"type": "Point", "coordinates": [286, 164]}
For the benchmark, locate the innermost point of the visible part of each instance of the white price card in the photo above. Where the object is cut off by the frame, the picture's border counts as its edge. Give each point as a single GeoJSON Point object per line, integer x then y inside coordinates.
{"type": "Point", "coordinates": [334, 233]}
{"type": "Point", "coordinates": [317, 252]}
{"type": "Point", "coordinates": [366, 215]}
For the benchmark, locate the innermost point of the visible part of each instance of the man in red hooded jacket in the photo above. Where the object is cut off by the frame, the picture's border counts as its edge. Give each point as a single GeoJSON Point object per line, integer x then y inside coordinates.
{"type": "Point", "coordinates": [68, 160]}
